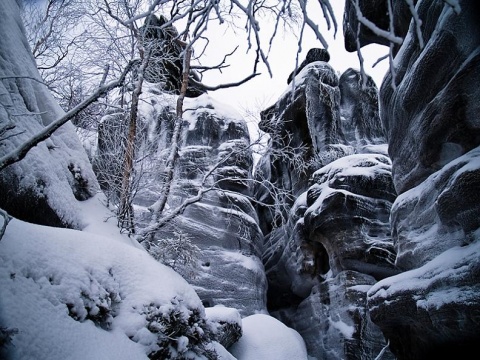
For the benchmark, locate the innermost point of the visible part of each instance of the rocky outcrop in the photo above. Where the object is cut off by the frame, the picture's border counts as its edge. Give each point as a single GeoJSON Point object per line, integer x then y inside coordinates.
{"type": "Point", "coordinates": [348, 208]}
{"type": "Point", "coordinates": [215, 158]}
{"type": "Point", "coordinates": [223, 223]}
{"type": "Point", "coordinates": [46, 186]}
{"type": "Point", "coordinates": [335, 243]}
{"type": "Point", "coordinates": [313, 55]}
{"type": "Point", "coordinates": [302, 125]}
{"type": "Point", "coordinates": [165, 64]}
{"type": "Point", "coordinates": [429, 108]}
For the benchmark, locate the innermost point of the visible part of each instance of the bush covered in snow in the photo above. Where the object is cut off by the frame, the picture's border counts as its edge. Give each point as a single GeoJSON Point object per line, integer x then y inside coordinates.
{"type": "Point", "coordinates": [72, 295]}
{"type": "Point", "coordinates": [181, 333]}
{"type": "Point", "coordinates": [177, 252]}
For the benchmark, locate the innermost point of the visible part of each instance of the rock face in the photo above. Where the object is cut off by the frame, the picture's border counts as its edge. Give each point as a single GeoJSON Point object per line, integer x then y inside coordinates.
{"type": "Point", "coordinates": [335, 243]}
{"type": "Point", "coordinates": [224, 223]}
{"type": "Point", "coordinates": [165, 64]}
{"type": "Point", "coordinates": [430, 114]}
{"type": "Point", "coordinates": [214, 157]}
{"type": "Point", "coordinates": [446, 115]}
{"type": "Point", "coordinates": [348, 211]}
{"type": "Point", "coordinates": [45, 186]}
{"type": "Point", "coordinates": [303, 125]}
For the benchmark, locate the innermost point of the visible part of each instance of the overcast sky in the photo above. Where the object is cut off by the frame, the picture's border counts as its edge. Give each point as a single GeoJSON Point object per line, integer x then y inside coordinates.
{"type": "Point", "coordinates": [264, 90]}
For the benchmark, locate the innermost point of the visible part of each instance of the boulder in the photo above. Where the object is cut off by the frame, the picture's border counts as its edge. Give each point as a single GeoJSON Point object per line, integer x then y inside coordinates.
{"type": "Point", "coordinates": [46, 186]}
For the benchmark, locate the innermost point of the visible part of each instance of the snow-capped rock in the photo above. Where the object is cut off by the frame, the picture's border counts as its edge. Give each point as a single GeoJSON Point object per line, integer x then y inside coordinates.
{"type": "Point", "coordinates": [46, 186]}
{"type": "Point", "coordinates": [336, 232]}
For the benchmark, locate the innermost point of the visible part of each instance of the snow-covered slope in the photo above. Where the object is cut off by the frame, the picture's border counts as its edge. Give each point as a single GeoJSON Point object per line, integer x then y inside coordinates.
{"type": "Point", "coordinates": [76, 295]}
{"type": "Point", "coordinates": [71, 294]}
{"type": "Point", "coordinates": [55, 175]}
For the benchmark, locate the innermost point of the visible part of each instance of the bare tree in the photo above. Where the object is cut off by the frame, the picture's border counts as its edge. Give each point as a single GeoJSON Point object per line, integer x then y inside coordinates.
{"type": "Point", "coordinates": [118, 32]}
{"type": "Point", "coordinates": [22, 150]}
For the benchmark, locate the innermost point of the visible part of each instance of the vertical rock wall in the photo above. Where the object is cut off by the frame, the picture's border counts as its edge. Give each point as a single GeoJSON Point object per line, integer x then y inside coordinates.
{"type": "Point", "coordinates": [214, 157]}
{"type": "Point", "coordinates": [430, 108]}
{"type": "Point", "coordinates": [335, 243]}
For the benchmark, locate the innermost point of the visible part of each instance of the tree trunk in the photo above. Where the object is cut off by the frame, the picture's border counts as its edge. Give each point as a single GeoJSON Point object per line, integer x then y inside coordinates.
{"type": "Point", "coordinates": [158, 207]}
{"type": "Point", "coordinates": [125, 215]}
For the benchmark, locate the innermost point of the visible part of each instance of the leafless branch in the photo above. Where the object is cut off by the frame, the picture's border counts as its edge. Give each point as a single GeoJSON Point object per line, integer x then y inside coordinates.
{"type": "Point", "coordinates": [389, 35]}
{"type": "Point", "coordinates": [6, 220]}
{"type": "Point", "coordinates": [223, 86]}
{"type": "Point", "coordinates": [20, 152]}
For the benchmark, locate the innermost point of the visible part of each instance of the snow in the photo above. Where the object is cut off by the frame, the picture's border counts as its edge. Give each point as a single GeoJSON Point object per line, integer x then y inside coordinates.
{"type": "Point", "coordinates": [55, 281]}
{"type": "Point", "coordinates": [86, 294]}
{"type": "Point", "coordinates": [450, 267]}
{"type": "Point", "coordinates": [207, 104]}
{"type": "Point", "coordinates": [266, 338]}
{"type": "Point", "coordinates": [98, 219]}
{"type": "Point", "coordinates": [222, 313]}
{"type": "Point", "coordinates": [346, 330]}
{"type": "Point", "coordinates": [368, 165]}
{"type": "Point", "coordinates": [43, 269]}
{"type": "Point", "coordinates": [249, 262]}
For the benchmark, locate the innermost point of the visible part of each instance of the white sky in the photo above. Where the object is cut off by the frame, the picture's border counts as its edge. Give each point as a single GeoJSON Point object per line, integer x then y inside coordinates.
{"type": "Point", "coordinates": [262, 91]}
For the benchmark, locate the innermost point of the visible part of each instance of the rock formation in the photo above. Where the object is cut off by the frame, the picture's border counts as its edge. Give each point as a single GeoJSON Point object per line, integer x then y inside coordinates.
{"type": "Point", "coordinates": [166, 64]}
{"type": "Point", "coordinates": [44, 187]}
{"type": "Point", "coordinates": [215, 157]}
{"type": "Point", "coordinates": [335, 243]}
{"type": "Point", "coordinates": [313, 55]}
{"type": "Point", "coordinates": [429, 109]}
{"type": "Point", "coordinates": [224, 223]}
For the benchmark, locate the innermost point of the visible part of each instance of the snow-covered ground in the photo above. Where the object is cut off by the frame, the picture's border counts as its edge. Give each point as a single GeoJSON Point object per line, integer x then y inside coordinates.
{"type": "Point", "coordinates": [70, 294]}
{"type": "Point", "coordinates": [92, 293]}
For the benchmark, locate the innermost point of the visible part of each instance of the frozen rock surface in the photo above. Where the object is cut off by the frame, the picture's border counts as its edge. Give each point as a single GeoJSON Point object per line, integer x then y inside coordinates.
{"type": "Point", "coordinates": [214, 157]}
{"type": "Point", "coordinates": [348, 212]}
{"type": "Point", "coordinates": [47, 184]}
{"type": "Point", "coordinates": [431, 117]}
{"type": "Point", "coordinates": [223, 223]}
{"type": "Point", "coordinates": [430, 113]}
{"type": "Point", "coordinates": [335, 242]}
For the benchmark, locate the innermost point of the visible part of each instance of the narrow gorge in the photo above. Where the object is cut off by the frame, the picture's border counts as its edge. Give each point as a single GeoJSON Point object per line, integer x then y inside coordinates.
{"type": "Point", "coordinates": [353, 215]}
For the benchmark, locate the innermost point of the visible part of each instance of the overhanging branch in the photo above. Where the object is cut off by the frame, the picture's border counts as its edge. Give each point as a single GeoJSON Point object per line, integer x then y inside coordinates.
{"type": "Point", "coordinates": [20, 152]}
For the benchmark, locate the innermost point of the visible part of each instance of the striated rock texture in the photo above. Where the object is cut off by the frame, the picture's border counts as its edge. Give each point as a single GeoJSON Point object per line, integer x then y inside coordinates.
{"type": "Point", "coordinates": [430, 113]}
{"type": "Point", "coordinates": [348, 211]}
{"type": "Point", "coordinates": [302, 125]}
{"type": "Point", "coordinates": [45, 186]}
{"type": "Point", "coordinates": [436, 94]}
{"type": "Point", "coordinates": [335, 242]}
{"type": "Point", "coordinates": [214, 157]}
{"type": "Point", "coordinates": [224, 223]}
